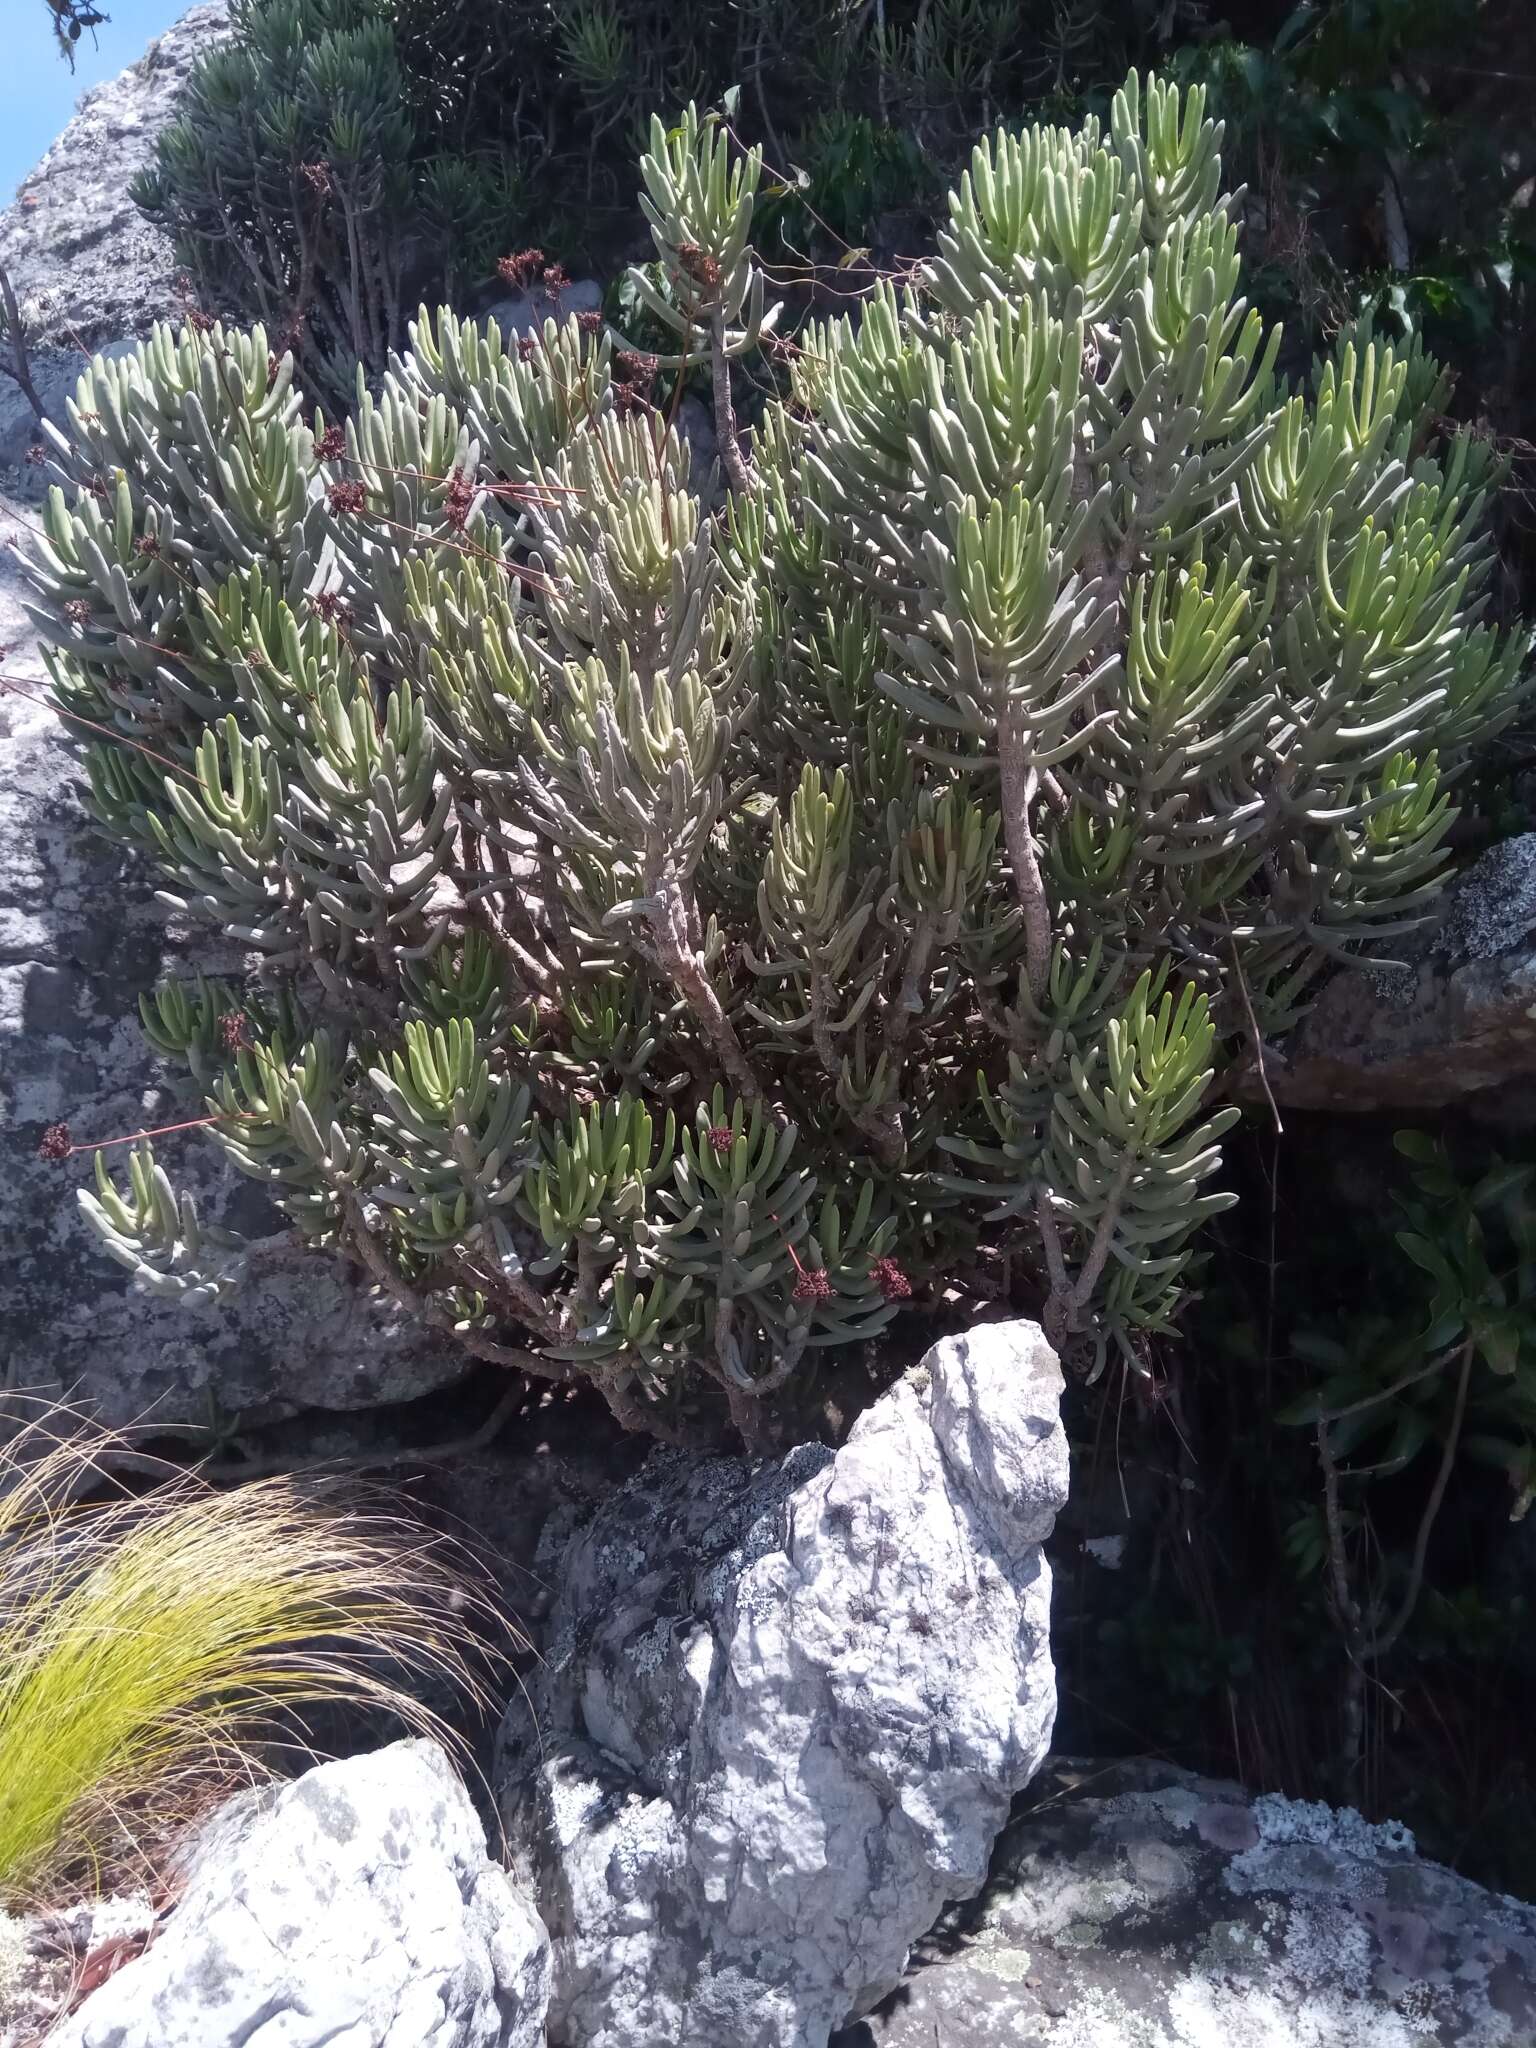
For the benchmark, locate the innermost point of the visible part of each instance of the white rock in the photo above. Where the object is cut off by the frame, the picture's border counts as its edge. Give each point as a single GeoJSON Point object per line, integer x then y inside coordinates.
{"type": "Point", "coordinates": [355, 1908]}
{"type": "Point", "coordinates": [784, 1709]}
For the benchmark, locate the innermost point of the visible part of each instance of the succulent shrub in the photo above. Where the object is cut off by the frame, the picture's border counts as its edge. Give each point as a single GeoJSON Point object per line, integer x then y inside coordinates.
{"type": "Point", "coordinates": [689, 937]}
{"type": "Point", "coordinates": [306, 184]}
{"type": "Point", "coordinates": [331, 158]}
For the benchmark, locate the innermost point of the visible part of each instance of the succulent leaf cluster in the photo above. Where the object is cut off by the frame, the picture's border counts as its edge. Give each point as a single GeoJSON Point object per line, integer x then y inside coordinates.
{"type": "Point", "coordinates": [685, 937]}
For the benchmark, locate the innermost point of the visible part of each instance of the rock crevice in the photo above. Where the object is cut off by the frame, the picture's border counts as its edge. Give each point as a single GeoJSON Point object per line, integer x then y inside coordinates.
{"type": "Point", "coordinates": [783, 1710]}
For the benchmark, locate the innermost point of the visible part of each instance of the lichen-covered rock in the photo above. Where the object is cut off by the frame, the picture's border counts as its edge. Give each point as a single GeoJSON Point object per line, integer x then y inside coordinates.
{"type": "Point", "coordinates": [784, 1707]}
{"type": "Point", "coordinates": [1138, 1906]}
{"type": "Point", "coordinates": [1455, 1018]}
{"type": "Point", "coordinates": [90, 272]}
{"type": "Point", "coordinates": [355, 1906]}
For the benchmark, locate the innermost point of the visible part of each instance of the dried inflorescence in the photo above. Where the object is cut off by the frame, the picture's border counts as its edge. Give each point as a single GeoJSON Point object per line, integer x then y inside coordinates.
{"type": "Point", "coordinates": [689, 940]}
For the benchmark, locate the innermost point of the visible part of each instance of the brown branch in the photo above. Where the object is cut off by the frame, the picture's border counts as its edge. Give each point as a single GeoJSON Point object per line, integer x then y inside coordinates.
{"type": "Point", "coordinates": [18, 366]}
{"type": "Point", "coordinates": [372, 1461]}
{"type": "Point", "coordinates": [1347, 1610]}
{"type": "Point", "coordinates": [738, 470]}
{"type": "Point", "coordinates": [669, 923]}
{"type": "Point", "coordinates": [1253, 1027]}
{"type": "Point", "coordinates": [373, 1257]}
{"type": "Point", "coordinates": [1019, 786]}
{"type": "Point", "coordinates": [1103, 1237]}
{"type": "Point", "coordinates": [1410, 1600]}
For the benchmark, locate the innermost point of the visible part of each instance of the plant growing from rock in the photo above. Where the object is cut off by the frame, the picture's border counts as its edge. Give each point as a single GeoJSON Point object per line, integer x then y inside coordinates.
{"type": "Point", "coordinates": [686, 939]}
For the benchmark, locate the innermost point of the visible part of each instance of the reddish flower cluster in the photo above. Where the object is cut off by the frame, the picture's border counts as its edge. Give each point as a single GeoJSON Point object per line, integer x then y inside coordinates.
{"type": "Point", "coordinates": [590, 323]}
{"type": "Point", "coordinates": [703, 268]}
{"type": "Point", "coordinates": [55, 1143]}
{"type": "Point", "coordinates": [331, 446]}
{"type": "Point", "coordinates": [347, 497]}
{"type": "Point", "coordinates": [234, 1031]}
{"type": "Point", "coordinates": [520, 270]}
{"type": "Point", "coordinates": [890, 1279]}
{"type": "Point", "coordinates": [78, 609]}
{"type": "Point", "coordinates": [318, 178]}
{"type": "Point", "coordinates": [457, 500]}
{"type": "Point", "coordinates": [331, 606]}
{"type": "Point", "coordinates": [37, 455]}
{"type": "Point", "coordinates": [186, 297]}
{"type": "Point", "coordinates": [146, 544]}
{"type": "Point", "coordinates": [813, 1284]}
{"type": "Point", "coordinates": [634, 373]}
{"type": "Point", "coordinates": [721, 1138]}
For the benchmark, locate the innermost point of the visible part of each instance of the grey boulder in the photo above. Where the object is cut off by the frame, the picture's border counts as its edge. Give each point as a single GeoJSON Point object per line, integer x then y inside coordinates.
{"type": "Point", "coordinates": [784, 1707]}
{"type": "Point", "coordinates": [354, 1906]}
{"type": "Point", "coordinates": [524, 312]}
{"type": "Point", "coordinates": [1455, 1018]}
{"type": "Point", "coordinates": [1138, 1906]}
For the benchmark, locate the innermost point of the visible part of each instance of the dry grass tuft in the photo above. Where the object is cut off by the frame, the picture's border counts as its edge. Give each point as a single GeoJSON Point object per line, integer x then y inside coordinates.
{"type": "Point", "coordinates": [156, 1644]}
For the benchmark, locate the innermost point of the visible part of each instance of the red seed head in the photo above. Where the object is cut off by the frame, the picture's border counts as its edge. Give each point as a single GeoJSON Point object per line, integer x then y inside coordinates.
{"type": "Point", "coordinates": [331, 606]}
{"type": "Point", "coordinates": [234, 1031]}
{"type": "Point", "coordinates": [457, 500]}
{"type": "Point", "coordinates": [698, 264]}
{"type": "Point", "coordinates": [55, 1143]}
{"type": "Point", "coordinates": [890, 1279]}
{"type": "Point", "coordinates": [519, 270]}
{"type": "Point", "coordinates": [813, 1284]}
{"type": "Point", "coordinates": [347, 497]}
{"type": "Point", "coordinates": [722, 1138]}
{"type": "Point", "coordinates": [331, 446]}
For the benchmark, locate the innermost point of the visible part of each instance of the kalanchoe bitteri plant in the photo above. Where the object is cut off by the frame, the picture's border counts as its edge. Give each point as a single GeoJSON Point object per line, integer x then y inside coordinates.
{"type": "Point", "coordinates": [695, 938]}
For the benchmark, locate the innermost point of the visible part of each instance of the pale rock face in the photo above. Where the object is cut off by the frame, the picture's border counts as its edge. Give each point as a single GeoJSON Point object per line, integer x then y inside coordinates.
{"type": "Point", "coordinates": [784, 1708]}
{"type": "Point", "coordinates": [356, 1905]}
{"type": "Point", "coordinates": [86, 266]}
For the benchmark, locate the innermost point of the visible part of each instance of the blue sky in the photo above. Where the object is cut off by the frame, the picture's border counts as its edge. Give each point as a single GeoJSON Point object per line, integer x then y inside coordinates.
{"type": "Point", "coordinates": [37, 93]}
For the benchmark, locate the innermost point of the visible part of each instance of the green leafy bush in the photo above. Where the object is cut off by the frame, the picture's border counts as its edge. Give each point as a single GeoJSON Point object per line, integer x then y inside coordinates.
{"type": "Point", "coordinates": [689, 938]}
